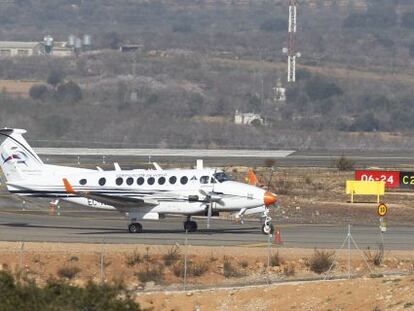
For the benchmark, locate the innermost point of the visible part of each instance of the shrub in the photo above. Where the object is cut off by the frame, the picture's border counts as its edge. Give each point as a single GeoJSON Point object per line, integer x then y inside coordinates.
{"type": "Point", "coordinates": [151, 274]}
{"type": "Point", "coordinates": [321, 261]}
{"type": "Point", "coordinates": [55, 77]}
{"type": "Point", "coordinates": [289, 269]}
{"type": "Point", "coordinates": [229, 270]}
{"type": "Point", "coordinates": [134, 259]}
{"type": "Point", "coordinates": [193, 269]}
{"type": "Point", "coordinates": [344, 164]}
{"type": "Point", "coordinates": [172, 256]}
{"type": "Point", "coordinates": [377, 257]}
{"type": "Point", "coordinates": [69, 92]}
{"type": "Point", "coordinates": [59, 295]}
{"type": "Point", "coordinates": [276, 260]}
{"type": "Point", "coordinates": [38, 91]}
{"type": "Point", "coordinates": [244, 264]}
{"type": "Point", "coordinates": [273, 24]}
{"type": "Point", "coordinates": [68, 272]}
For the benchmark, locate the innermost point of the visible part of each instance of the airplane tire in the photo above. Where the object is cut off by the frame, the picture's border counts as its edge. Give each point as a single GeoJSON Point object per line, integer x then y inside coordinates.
{"type": "Point", "coordinates": [270, 229]}
{"type": "Point", "coordinates": [190, 226]}
{"type": "Point", "coordinates": [135, 228]}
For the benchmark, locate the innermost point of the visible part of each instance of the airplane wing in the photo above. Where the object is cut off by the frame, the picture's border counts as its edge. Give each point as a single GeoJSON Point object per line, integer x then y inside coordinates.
{"type": "Point", "coordinates": [119, 202]}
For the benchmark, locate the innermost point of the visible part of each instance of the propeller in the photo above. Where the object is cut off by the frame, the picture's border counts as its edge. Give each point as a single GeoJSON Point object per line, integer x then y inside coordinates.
{"type": "Point", "coordinates": [211, 198]}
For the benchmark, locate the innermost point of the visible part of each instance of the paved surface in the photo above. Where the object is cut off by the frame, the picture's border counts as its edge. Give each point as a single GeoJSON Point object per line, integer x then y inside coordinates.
{"type": "Point", "coordinates": [77, 225]}
{"type": "Point", "coordinates": [132, 158]}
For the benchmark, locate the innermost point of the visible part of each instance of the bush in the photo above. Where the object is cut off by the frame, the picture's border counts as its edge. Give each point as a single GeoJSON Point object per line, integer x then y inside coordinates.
{"type": "Point", "coordinates": [151, 274]}
{"type": "Point", "coordinates": [172, 256]}
{"type": "Point", "coordinates": [229, 270]}
{"type": "Point", "coordinates": [68, 272]}
{"type": "Point", "coordinates": [289, 269]}
{"type": "Point", "coordinates": [321, 261]}
{"type": "Point", "coordinates": [276, 260]}
{"type": "Point", "coordinates": [69, 92]}
{"type": "Point", "coordinates": [193, 269]}
{"type": "Point", "coordinates": [344, 164]}
{"type": "Point", "coordinates": [407, 20]}
{"type": "Point", "coordinates": [59, 295]}
{"type": "Point", "coordinates": [134, 259]}
{"type": "Point", "coordinates": [273, 24]}
{"type": "Point", "coordinates": [377, 257]}
{"type": "Point", "coordinates": [38, 91]}
{"type": "Point", "coordinates": [55, 77]}
{"type": "Point", "coordinates": [318, 89]}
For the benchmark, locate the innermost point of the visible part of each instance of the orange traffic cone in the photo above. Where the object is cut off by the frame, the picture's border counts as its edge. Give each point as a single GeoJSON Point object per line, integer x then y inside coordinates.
{"type": "Point", "coordinates": [278, 237]}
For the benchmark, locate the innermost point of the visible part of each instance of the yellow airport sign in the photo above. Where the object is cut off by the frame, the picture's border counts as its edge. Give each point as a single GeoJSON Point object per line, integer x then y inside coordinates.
{"type": "Point", "coordinates": [382, 210]}
{"type": "Point", "coordinates": [365, 188]}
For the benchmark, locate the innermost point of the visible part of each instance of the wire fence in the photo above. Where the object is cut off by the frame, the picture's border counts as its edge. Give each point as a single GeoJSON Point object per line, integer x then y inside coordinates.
{"type": "Point", "coordinates": [187, 266]}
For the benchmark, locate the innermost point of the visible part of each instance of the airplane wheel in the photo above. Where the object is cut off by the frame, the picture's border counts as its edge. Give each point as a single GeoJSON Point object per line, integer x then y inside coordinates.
{"type": "Point", "coordinates": [268, 229]}
{"type": "Point", "coordinates": [135, 228]}
{"type": "Point", "coordinates": [190, 226]}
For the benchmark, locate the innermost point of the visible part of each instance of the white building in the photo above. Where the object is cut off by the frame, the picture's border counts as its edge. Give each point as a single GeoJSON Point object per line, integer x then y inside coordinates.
{"type": "Point", "coordinates": [247, 118]}
{"type": "Point", "coordinates": [15, 48]}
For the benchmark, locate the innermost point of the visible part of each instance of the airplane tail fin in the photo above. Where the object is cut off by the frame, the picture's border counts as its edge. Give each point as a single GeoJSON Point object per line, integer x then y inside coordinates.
{"type": "Point", "coordinates": [18, 160]}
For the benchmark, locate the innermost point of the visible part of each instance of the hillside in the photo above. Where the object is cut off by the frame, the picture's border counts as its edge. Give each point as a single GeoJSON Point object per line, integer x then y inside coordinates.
{"type": "Point", "coordinates": [202, 60]}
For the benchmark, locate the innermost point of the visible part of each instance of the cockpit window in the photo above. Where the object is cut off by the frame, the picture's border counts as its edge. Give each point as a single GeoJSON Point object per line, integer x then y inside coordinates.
{"type": "Point", "coordinates": [221, 177]}
{"type": "Point", "coordinates": [204, 179]}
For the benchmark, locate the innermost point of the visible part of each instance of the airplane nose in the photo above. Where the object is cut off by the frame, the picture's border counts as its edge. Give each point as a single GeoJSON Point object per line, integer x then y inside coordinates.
{"type": "Point", "coordinates": [269, 198]}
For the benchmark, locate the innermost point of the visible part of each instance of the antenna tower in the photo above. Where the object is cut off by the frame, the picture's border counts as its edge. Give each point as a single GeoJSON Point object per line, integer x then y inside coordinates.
{"type": "Point", "coordinates": [291, 49]}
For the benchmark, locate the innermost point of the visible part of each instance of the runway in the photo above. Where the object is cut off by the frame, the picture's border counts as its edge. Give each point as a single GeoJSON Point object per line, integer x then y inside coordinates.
{"type": "Point", "coordinates": [133, 158]}
{"type": "Point", "coordinates": [96, 226]}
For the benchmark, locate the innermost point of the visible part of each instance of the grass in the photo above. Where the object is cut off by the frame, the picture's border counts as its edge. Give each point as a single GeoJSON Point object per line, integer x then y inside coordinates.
{"type": "Point", "coordinates": [193, 269]}
{"type": "Point", "coordinates": [289, 270]}
{"type": "Point", "coordinates": [154, 274]}
{"type": "Point", "coordinates": [68, 272]}
{"type": "Point", "coordinates": [134, 259]}
{"type": "Point", "coordinates": [229, 270]}
{"type": "Point", "coordinates": [276, 260]}
{"type": "Point", "coordinates": [321, 261]}
{"type": "Point", "coordinates": [172, 256]}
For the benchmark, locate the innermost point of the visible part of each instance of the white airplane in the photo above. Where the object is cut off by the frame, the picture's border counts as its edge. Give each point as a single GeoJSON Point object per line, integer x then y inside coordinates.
{"type": "Point", "coordinates": [140, 194]}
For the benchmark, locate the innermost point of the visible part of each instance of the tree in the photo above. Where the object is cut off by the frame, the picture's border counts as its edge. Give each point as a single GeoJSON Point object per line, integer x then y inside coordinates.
{"type": "Point", "coordinates": [407, 20]}
{"type": "Point", "coordinates": [271, 25]}
{"type": "Point", "coordinates": [69, 92]}
{"type": "Point", "coordinates": [38, 91]}
{"type": "Point", "coordinates": [318, 88]}
{"type": "Point", "coordinates": [55, 77]}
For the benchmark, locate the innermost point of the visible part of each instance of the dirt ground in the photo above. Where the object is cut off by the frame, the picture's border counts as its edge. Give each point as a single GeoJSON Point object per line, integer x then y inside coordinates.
{"type": "Point", "coordinates": [17, 87]}
{"type": "Point", "coordinates": [392, 293]}
{"type": "Point", "coordinates": [317, 195]}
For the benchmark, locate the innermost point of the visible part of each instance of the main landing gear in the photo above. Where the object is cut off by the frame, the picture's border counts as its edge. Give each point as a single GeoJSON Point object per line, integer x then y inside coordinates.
{"type": "Point", "coordinates": [135, 227]}
{"type": "Point", "coordinates": [267, 227]}
{"type": "Point", "coordinates": [190, 226]}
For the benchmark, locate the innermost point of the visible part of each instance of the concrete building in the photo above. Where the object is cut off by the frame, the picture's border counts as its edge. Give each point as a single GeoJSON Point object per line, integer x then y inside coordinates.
{"type": "Point", "coordinates": [14, 48]}
{"type": "Point", "coordinates": [247, 118]}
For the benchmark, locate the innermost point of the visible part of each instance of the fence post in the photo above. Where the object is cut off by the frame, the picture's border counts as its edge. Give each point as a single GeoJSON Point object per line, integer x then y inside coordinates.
{"type": "Point", "coordinates": [21, 254]}
{"type": "Point", "coordinates": [102, 262]}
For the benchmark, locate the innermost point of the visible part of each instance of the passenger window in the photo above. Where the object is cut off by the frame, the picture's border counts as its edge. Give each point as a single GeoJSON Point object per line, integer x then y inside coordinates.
{"type": "Point", "coordinates": [184, 180]}
{"type": "Point", "coordinates": [204, 179]}
{"type": "Point", "coordinates": [140, 181]}
{"type": "Point", "coordinates": [119, 181]}
{"type": "Point", "coordinates": [161, 180]}
{"type": "Point", "coordinates": [82, 182]}
{"type": "Point", "coordinates": [129, 181]}
{"type": "Point", "coordinates": [151, 181]}
{"type": "Point", "coordinates": [212, 180]}
{"type": "Point", "coordinates": [173, 180]}
{"type": "Point", "coordinates": [102, 181]}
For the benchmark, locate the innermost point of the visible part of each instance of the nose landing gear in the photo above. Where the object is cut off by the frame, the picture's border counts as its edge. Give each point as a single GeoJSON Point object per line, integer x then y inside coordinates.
{"type": "Point", "coordinates": [135, 227]}
{"type": "Point", "coordinates": [267, 227]}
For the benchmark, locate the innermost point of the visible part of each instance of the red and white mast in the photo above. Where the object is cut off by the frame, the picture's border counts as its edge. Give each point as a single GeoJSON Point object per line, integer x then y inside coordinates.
{"type": "Point", "coordinates": [291, 49]}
